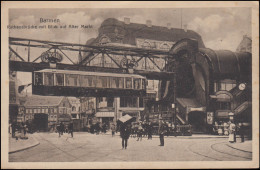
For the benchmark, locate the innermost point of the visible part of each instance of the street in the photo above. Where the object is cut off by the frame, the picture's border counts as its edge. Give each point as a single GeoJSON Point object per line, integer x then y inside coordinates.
{"type": "Point", "coordinates": [85, 147]}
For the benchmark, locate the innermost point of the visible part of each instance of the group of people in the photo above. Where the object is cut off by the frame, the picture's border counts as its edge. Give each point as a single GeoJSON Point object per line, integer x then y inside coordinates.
{"type": "Point", "coordinates": [141, 129]}
{"type": "Point", "coordinates": [22, 128]}
{"type": "Point", "coordinates": [230, 129]}
{"type": "Point", "coordinates": [61, 129]}
{"type": "Point", "coordinates": [97, 128]}
{"type": "Point", "coordinates": [126, 130]}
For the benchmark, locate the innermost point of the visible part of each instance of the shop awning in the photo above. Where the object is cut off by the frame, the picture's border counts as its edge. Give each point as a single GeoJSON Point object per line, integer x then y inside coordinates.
{"type": "Point", "coordinates": [105, 114]}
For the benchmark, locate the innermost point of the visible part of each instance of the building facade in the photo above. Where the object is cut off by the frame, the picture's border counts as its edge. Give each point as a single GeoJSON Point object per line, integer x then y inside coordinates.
{"type": "Point", "coordinates": [54, 109]}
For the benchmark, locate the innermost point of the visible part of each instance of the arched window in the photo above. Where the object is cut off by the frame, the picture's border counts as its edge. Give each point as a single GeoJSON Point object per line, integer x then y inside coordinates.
{"type": "Point", "coordinates": [165, 46]}
{"type": "Point", "coordinates": [73, 108]}
{"type": "Point", "coordinates": [146, 44]}
{"type": "Point", "coordinates": [104, 40]}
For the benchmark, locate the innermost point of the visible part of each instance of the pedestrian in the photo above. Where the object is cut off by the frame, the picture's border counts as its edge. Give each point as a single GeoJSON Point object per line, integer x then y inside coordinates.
{"type": "Point", "coordinates": [24, 130]}
{"type": "Point", "coordinates": [61, 129]}
{"type": "Point", "coordinates": [13, 129]}
{"type": "Point", "coordinates": [161, 132]}
{"type": "Point", "coordinates": [113, 129]}
{"type": "Point", "coordinates": [71, 129]}
{"type": "Point", "coordinates": [139, 132]}
{"type": "Point", "coordinates": [232, 132]}
{"type": "Point", "coordinates": [241, 131]}
{"type": "Point", "coordinates": [149, 131]}
{"type": "Point", "coordinates": [125, 131]}
{"type": "Point", "coordinates": [104, 128]}
{"type": "Point", "coordinates": [225, 128]}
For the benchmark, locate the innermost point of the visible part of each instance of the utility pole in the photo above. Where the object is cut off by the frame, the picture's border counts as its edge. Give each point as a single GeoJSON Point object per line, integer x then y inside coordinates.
{"type": "Point", "coordinates": [174, 87]}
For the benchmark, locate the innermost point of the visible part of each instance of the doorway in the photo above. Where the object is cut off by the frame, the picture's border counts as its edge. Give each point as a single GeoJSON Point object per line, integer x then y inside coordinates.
{"type": "Point", "coordinates": [198, 121]}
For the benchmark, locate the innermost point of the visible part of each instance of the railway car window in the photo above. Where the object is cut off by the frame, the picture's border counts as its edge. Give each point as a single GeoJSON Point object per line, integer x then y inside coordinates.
{"type": "Point", "coordinates": [72, 80]}
{"type": "Point", "coordinates": [87, 81]}
{"type": "Point", "coordinates": [102, 82]}
{"type": "Point", "coordinates": [59, 79]}
{"type": "Point", "coordinates": [48, 79]}
{"type": "Point", "coordinates": [137, 83]}
{"type": "Point", "coordinates": [128, 82]}
{"type": "Point", "coordinates": [99, 82]}
{"type": "Point", "coordinates": [38, 78]}
{"type": "Point", "coordinates": [117, 82]}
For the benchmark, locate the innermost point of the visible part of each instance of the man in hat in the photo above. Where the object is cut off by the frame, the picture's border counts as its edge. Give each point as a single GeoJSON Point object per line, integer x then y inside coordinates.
{"type": "Point", "coordinates": [161, 132]}
{"type": "Point", "coordinates": [125, 131]}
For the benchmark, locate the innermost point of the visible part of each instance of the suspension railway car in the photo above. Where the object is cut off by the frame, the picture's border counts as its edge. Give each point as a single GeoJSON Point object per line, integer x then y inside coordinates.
{"type": "Point", "coordinates": [55, 82]}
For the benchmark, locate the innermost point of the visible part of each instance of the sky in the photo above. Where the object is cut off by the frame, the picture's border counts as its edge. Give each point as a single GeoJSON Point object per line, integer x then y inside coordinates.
{"type": "Point", "coordinates": [220, 28]}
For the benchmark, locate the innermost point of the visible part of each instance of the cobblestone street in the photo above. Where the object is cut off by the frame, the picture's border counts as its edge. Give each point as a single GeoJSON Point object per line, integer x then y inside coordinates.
{"type": "Point", "coordinates": [85, 147]}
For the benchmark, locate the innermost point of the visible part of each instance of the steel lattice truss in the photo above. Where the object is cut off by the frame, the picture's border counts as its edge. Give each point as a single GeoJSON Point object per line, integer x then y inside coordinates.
{"type": "Point", "coordinates": [148, 62]}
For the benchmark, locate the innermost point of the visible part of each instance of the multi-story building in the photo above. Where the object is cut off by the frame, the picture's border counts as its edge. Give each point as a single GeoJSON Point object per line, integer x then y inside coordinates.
{"type": "Point", "coordinates": [125, 33]}
{"type": "Point", "coordinates": [53, 109]}
{"type": "Point", "coordinates": [76, 107]}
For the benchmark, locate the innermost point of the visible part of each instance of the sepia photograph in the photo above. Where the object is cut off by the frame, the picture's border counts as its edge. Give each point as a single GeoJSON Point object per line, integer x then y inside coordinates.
{"type": "Point", "coordinates": [129, 85]}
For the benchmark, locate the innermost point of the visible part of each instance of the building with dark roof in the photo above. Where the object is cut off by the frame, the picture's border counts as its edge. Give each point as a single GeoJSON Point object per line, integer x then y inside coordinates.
{"type": "Point", "coordinates": [115, 31]}
{"type": "Point", "coordinates": [52, 106]}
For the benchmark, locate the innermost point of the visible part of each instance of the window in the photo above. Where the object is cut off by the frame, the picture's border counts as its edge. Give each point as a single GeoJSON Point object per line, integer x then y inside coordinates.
{"type": "Point", "coordinates": [104, 40]}
{"type": "Point", "coordinates": [137, 83]}
{"type": "Point", "coordinates": [39, 110]}
{"type": "Point", "coordinates": [87, 81]}
{"type": "Point", "coordinates": [117, 82]}
{"type": "Point", "coordinates": [128, 83]}
{"type": "Point", "coordinates": [48, 79]}
{"type": "Point", "coordinates": [226, 85]}
{"type": "Point", "coordinates": [46, 111]}
{"type": "Point", "coordinates": [38, 78]}
{"type": "Point", "coordinates": [110, 102]}
{"type": "Point", "coordinates": [146, 44]}
{"type": "Point", "coordinates": [27, 110]}
{"type": "Point", "coordinates": [103, 82]}
{"type": "Point", "coordinates": [143, 83]}
{"type": "Point", "coordinates": [150, 85]}
{"type": "Point", "coordinates": [72, 80]}
{"type": "Point", "coordinates": [35, 111]}
{"type": "Point", "coordinates": [60, 79]}
{"type": "Point", "coordinates": [165, 47]}
{"type": "Point", "coordinates": [141, 102]}
{"type": "Point", "coordinates": [55, 110]}
{"type": "Point", "coordinates": [128, 102]}
{"type": "Point", "coordinates": [223, 105]}
{"type": "Point", "coordinates": [43, 111]}
{"type": "Point", "coordinates": [73, 108]}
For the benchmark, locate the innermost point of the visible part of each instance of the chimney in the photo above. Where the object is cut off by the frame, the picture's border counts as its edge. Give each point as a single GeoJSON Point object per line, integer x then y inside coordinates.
{"type": "Point", "coordinates": [185, 27]}
{"type": "Point", "coordinates": [169, 25]}
{"type": "Point", "coordinates": [127, 20]}
{"type": "Point", "coordinates": [148, 23]}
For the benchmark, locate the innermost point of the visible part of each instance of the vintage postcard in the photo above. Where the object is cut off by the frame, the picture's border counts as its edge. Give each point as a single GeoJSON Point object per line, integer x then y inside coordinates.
{"type": "Point", "coordinates": [130, 85]}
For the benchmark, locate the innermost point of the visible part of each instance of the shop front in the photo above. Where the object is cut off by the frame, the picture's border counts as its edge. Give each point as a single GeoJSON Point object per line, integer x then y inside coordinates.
{"type": "Point", "coordinates": [105, 117]}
